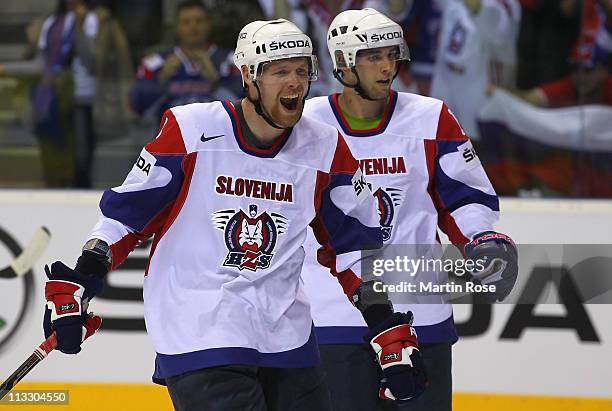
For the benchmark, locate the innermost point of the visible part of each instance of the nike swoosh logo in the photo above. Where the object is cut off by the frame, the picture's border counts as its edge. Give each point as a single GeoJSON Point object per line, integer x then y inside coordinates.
{"type": "Point", "coordinates": [205, 139]}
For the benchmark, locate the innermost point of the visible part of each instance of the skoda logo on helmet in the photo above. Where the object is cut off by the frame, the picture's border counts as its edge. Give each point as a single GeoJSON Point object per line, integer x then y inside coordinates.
{"type": "Point", "coordinates": [288, 44]}
{"type": "Point", "coordinates": [386, 36]}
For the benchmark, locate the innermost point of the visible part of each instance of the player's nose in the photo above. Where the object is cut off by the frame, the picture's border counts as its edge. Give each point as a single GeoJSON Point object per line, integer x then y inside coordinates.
{"type": "Point", "coordinates": [388, 65]}
{"type": "Point", "coordinates": [294, 80]}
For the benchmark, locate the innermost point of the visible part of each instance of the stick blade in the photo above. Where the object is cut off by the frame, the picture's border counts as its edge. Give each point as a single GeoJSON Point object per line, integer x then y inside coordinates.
{"type": "Point", "coordinates": [24, 262]}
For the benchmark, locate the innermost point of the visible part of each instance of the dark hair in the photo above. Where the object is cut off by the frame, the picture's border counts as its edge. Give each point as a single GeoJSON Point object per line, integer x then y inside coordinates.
{"type": "Point", "coordinates": [110, 5]}
{"type": "Point", "coordinates": [188, 4]}
{"type": "Point", "coordinates": [60, 7]}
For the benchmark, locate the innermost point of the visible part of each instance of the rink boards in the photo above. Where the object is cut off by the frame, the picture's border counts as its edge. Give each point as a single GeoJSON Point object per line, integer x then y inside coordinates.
{"type": "Point", "coordinates": [542, 358]}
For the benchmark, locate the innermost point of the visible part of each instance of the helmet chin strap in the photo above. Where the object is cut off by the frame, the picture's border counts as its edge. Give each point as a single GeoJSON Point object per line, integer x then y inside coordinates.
{"type": "Point", "coordinates": [260, 110]}
{"type": "Point", "coordinates": [357, 87]}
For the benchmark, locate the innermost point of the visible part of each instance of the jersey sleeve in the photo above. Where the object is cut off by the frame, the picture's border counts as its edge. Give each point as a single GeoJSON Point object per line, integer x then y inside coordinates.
{"type": "Point", "coordinates": [151, 195]}
{"type": "Point", "coordinates": [347, 219]}
{"type": "Point", "coordinates": [458, 185]}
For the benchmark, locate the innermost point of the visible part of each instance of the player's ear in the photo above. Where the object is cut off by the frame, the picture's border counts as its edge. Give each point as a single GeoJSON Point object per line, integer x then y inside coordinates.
{"type": "Point", "coordinates": [247, 84]}
{"type": "Point", "coordinates": [348, 75]}
{"type": "Point", "coordinates": [244, 71]}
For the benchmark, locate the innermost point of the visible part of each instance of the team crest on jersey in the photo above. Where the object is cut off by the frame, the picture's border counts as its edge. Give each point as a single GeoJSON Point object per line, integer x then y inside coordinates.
{"type": "Point", "coordinates": [250, 237]}
{"type": "Point", "coordinates": [388, 199]}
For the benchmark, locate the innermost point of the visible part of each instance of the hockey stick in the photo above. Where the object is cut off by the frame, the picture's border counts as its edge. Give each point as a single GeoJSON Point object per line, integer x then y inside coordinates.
{"type": "Point", "coordinates": [91, 324]}
{"type": "Point", "coordinates": [28, 256]}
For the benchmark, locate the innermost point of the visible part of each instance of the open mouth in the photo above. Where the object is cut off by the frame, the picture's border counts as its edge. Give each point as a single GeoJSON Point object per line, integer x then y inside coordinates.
{"type": "Point", "coordinates": [290, 102]}
{"type": "Point", "coordinates": [385, 82]}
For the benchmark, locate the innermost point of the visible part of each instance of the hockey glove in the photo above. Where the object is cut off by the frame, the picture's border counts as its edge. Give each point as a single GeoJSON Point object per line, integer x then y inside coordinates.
{"type": "Point", "coordinates": [396, 347]}
{"type": "Point", "coordinates": [68, 293]}
{"type": "Point", "coordinates": [499, 258]}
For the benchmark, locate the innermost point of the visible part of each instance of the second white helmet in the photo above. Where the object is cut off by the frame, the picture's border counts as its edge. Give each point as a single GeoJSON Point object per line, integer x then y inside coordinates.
{"type": "Point", "coordinates": [263, 41]}
{"type": "Point", "coordinates": [354, 30]}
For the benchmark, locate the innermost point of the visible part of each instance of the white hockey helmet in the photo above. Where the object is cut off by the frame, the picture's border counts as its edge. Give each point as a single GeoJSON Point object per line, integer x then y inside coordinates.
{"type": "Point", "coordinates": [354, 30]}
{"type": "Point", "coordinates": [262, 41]}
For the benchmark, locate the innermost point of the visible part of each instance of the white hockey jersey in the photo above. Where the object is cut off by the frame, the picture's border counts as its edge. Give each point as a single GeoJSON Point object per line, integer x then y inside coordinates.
{"type": "Point", "coordinates": [467, 45]}
{"type": "Point", "coordinates": [424, 174]}
{"type": "Point", "coordinates": [223, 279]}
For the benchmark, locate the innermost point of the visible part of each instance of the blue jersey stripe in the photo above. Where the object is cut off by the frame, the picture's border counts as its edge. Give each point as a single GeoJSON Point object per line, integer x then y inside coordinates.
{"type": "Point", "coordinates": [455, 194]}
{"type": "Point", "coordinates": [347, 233]}
{"type": "Point", "coordinates": [257, 152]}
{"type": "Point", "coordinates": [168, 365]}
{"type": "Point", "coordinates": [135, 209]}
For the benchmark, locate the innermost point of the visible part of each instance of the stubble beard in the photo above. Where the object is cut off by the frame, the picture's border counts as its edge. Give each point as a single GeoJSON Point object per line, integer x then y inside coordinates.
{"type": "Point", "coordinates": [283, 119]}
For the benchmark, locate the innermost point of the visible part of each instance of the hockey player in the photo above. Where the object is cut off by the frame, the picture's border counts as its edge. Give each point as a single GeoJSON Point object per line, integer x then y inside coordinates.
{"type": "Point", "coordinates": [227, 190]}
{"type": "Point", "coordinates": [424, 174]}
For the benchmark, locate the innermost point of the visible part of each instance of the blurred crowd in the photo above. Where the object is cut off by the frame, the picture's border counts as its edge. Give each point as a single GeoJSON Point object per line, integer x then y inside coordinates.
{"type": "Point", "coordinates": [529, 80]}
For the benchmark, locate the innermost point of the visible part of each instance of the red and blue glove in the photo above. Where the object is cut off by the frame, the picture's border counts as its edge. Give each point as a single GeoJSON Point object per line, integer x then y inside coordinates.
{"type": "Point", "coordinates": [68, 293]}
{"type": "Point", "coordinates": [395, 343]}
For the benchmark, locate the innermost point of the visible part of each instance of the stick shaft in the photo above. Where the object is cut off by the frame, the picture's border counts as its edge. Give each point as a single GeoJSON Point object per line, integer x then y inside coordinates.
{"type": "Point", "coordinates": [20, 372]}
{"type": "Point", "coordinates": [37, 356]}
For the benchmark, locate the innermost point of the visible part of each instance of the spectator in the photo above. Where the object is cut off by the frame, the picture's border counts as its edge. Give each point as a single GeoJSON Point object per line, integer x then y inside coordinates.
{"type": "Point", "coordinates": [472, 32]}
{"type": "Point", "coordinates": [551, 31]}
{"type": "Point", "coordinates": [422, 23]}
{"type": "Point", "coordinates": [604, 36]}
{"type": "Point", "coordinates": [63, 118]}
{"type": "Point", "coordinates": [114, 73]}
{"type": "Point", "coordinates": [548, 30]}
{"type": "Point", "coordinates": [590, 82]}
{"type": "Point", "coordinates": [193, 71]}
{"type": "Point", "coordinates": [593, 15]}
